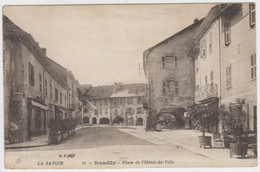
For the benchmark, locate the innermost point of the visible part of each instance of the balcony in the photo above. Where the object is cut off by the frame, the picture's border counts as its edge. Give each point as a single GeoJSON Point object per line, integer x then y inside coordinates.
{"type": "Point", "coordinates": [205, 92]}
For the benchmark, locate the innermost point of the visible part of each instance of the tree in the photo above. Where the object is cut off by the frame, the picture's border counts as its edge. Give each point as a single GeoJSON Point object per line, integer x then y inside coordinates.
{"type": "Point", "coordinates": [203, 115]}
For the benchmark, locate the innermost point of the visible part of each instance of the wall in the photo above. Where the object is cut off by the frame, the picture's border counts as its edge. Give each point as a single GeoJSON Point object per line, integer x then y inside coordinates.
{"type": "Point", "coordinates": [180, 46]}
{"type": "Point", "coordinates": [238, 54]}
{"type": "Point", "coordinates": [204, 65]}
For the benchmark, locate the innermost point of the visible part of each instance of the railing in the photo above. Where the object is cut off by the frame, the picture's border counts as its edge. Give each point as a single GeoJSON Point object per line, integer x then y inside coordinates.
{"type": "Point", "coordinates": [205, 92]}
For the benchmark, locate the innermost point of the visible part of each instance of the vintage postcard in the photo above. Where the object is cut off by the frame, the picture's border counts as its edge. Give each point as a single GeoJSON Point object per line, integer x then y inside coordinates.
{"type": "Point", "coordinates": [129, 85]}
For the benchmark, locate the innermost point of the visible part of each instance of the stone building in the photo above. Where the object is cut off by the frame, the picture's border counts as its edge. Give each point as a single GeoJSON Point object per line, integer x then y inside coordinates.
{"type": "Point", "coordinates": [169, 71]}
{"type": "Point", "coordinates": [225, 58]}
{"type": "Point", "coordinates": [115, 104]}
{"type": "Point", "coordinates": [35, 91]}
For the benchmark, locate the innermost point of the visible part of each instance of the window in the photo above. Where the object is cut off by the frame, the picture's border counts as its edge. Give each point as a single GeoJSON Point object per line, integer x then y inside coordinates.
{"type": "Point", "coordinates": [203, 48]}
{"type": "Point", "coordinates": [139, 99]}
{"type": "Point", "coordinates": [169, 62]}
{"type": "Point", "coordinates": [252, 14]}
{"type": "Point", "coordinates": [130, 111]}
{"type": "Point", "coordinates": [50, 89]}
{"type": "Point", "coordinates": [176, 61]}
{"type": "Point", "coordinates": [100, 111]}
{"type": "Point", "coordinates": [139, 110]}
{"type": "Point", "coordinates": [228, 77]}
{"type": "Point", "coordinates": [211, 77]}
{"type": "Point", "coordinates": [164, 89]}
{"type": "Point", "coordinates": [210, 42]}
{"type": "Point", "coordinates": [46, 87]}
{"type": "Point", "coordinates": [255, 117]}
{"type": "Point", "coordinates": [106, 111]}
{"type": "Point", "coordinates": [122, 111]}
{"type": "Point", "coordinates": [56, 95]}
{"type": "Point", "coordinates": [60, 98]}
{"type": "Point", "coordinates": [65, 100]}
{"type": "Point", "coordinates": [176, 87]}
{"type": "Point", "coordinates": [105, 102]}
{"type": "Point", "coordinates": [40, 82]}
{"type": "Point", "coordinates": [86, 111]}
{"type": "Point", "coordinates": [163, 62]}
{"type": "Point", "coordinates": [116, 112]}
{"type": "Point", "coordinates": [253, 66]}
{"type": "Point", "coordinates": [170, 87]}
{"type": "Point", "coordinates": [206, 80]}
{"type": "Point", "coordinates": [31, 74]}
{"type": "Point", "coordinates": [100, 103]}
{"type": "Point", "coordinates": [227, 31]}
{"type": "Point", "coordinates": [130, 100]}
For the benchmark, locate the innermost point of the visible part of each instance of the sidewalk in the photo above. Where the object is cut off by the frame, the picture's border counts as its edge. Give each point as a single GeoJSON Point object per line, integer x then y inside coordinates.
{"type": "Point", "coordinates": [187, 140]}
{"type": "Point", "coordinates": [36, 142]}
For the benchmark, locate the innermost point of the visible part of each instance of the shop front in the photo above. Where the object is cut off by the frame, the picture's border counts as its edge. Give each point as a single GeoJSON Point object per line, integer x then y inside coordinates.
{"type": "Point", "coordinates": [37, 118]}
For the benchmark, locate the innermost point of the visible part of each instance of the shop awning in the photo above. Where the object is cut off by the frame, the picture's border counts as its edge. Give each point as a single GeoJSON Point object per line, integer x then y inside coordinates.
{"type": "Point", "coordinates": [34, 103]}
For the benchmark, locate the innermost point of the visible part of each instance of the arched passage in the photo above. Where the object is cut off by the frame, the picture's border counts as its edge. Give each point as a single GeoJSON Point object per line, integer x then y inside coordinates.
{"type": "Point", "coordinates": [104, 121]}
{"type": "Point", "coordinates": [118, 120]}
{"type": "Point", "coordinates": [94, 120]}
{"type": "Point", "coordinates": [140, 121]}
{"type": "Point", "coordinates": [86, 120]}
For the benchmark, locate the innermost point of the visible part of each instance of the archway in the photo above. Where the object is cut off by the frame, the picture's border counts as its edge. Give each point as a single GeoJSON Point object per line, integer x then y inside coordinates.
{"type": "Point", "coordinates": [86, 120]}
{"type": "Point", "coordinates": [94, 120]}
{"type": "Point", "coordinates": [104, 121]}
{"type": "Point", "coordinates": [118, 120]}
{"type": "Point", "coordinates": [139, 121]}
{"type": "Point", "coordinates": [131, 121]}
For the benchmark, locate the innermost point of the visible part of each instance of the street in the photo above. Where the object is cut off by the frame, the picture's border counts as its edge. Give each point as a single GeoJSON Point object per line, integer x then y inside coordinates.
{"type": "Point", "coordinates": [101, 146]}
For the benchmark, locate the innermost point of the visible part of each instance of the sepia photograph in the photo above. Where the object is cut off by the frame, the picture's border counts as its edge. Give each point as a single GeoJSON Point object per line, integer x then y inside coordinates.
{"type": "Point", "coordinates": [116, 86]}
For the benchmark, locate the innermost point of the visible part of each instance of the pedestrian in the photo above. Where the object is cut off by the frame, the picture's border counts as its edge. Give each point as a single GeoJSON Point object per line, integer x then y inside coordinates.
{"type": "Point", "coordinates": [159, 127]}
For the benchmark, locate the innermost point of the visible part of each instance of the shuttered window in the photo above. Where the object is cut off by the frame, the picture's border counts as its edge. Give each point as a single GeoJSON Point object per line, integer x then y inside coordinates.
{"type": "Point", "coordinates": [253, 66]}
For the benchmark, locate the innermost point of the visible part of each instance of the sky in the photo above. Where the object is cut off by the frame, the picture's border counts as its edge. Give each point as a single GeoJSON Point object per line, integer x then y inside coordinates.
{"type": "Point", "coordinates": [103, 44]}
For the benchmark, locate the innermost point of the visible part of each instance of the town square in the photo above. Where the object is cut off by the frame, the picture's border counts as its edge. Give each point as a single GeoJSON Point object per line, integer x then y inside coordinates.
{"type": "Point", "coordinates": [130, 86]}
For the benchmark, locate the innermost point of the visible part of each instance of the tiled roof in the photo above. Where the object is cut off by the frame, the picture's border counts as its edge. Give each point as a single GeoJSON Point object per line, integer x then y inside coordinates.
{"type": "Point", "coordinates": [209, 19]}
{"type": "Point", "coordinates": [126, 93]}
{"type": "Point", "coordinates": [127, 90]}
{"type": "Point", "coordinates": [101, 92]}
{"type": "Point", "coordinates": [10, 30]}
{"type": "Point", "coordinates": [195, 24]}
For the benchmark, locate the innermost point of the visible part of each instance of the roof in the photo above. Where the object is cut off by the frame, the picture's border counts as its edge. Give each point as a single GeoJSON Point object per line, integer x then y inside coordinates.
{"type": "Point", "coordinates": [101, 92]}
{"type": "Point", "coordinates": [10, 30]}
{"type": "Point", "coordinates": [126, 93]}
{"type": "Point", "coordinates": [209, 19]}
{"type": "Point", "coordinates": [124, 90]}
{"type": "Point", "coordinates": [190, 28]}
{"type": "Point", "coordinates": [198, 22]}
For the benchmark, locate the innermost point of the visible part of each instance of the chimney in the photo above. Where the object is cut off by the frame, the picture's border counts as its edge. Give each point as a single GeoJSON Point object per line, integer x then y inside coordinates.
{"type": "Point", "coordinates": [196, 20]}
{"type": "Point", "coordinates": [44, 51]}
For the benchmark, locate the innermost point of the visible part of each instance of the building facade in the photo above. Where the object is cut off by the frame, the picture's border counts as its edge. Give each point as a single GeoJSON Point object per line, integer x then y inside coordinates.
{"type": "Point", "coordinates": [116, 104]}
{"type": "Point", "coordinates": [226, 63]}
{"type": "Point", "coordinates": [35, 92]}
{"type": "Point", "coordinates": [169, 71]}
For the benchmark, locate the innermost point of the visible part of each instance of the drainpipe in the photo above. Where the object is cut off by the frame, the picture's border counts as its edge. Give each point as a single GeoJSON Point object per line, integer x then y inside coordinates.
{"type": "Point", "coordinates": [220, 74]}
{"type": "Point", "coordinates": [43, 89]}
{"type": "Point", "coordinates": [220, 81]}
